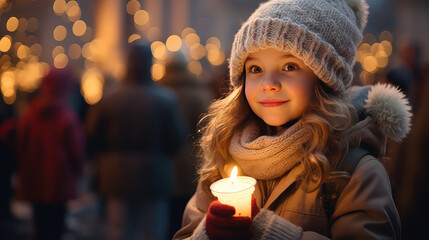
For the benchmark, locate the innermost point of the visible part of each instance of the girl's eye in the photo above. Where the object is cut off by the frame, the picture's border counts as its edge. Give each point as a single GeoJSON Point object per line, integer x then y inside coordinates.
{"type": "Point", "coordinates": [255, 69]}
{"type": "Point", "coordinates": [290, 67]}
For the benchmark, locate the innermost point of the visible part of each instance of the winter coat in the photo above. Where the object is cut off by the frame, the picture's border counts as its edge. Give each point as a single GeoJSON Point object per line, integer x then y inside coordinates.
{"type": "Point", "coordinates": [365, 209]}
{"type": "Point", "coordinates": [50, 145]}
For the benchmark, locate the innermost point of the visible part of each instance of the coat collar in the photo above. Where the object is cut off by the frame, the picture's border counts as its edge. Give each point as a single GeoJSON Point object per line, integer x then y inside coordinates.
{"type": "Point", "coordinates": [284, 183]}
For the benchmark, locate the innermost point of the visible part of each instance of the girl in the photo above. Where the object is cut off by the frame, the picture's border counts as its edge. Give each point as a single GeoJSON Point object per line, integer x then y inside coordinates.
{"type": "Point", "coordinates": [289, 121]}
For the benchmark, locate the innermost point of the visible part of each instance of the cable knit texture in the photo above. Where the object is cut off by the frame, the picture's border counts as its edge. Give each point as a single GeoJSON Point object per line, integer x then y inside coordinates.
{"type": "Point", "coordinates": [322, 33]}
{"type": "Point", "coordinates": [268, 225]}
{"type": "Point", "coordinates": [269, 157]}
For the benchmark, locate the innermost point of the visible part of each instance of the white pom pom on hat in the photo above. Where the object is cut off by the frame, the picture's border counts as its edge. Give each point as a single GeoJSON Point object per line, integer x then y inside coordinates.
{"type": "Point", "coordinates": [383, 105]}
{"type": "Point", "coordinates": [389, 107]}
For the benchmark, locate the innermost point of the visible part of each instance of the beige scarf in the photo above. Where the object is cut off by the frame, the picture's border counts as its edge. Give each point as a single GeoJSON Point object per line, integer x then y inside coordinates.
{"type": "Point", "coordinates": [269, 157]}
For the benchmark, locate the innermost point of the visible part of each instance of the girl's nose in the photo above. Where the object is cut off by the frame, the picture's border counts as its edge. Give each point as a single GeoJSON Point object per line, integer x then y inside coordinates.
{"type": "Point", "coordinates": [270, 84]}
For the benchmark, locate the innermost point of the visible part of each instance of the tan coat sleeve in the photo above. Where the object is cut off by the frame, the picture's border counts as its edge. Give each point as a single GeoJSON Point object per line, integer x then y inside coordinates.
{"type": "Point", "coordinates": [365, 209]}
{"type": "Point", "coordinates": [195, 212]}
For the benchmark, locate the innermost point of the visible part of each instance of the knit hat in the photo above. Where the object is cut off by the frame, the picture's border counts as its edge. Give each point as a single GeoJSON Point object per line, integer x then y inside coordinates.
{"type": "Point", "coordinates": [322, 33]}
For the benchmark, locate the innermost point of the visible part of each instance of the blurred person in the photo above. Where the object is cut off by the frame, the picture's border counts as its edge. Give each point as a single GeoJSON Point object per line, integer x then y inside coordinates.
{"type": "Point", "coordinates": [405, 75]}
{"type": "Point", "coordinates": [407, 70]}
{"type": "Point", "coordinates": [194, 98]}
{"type": "Point", "coordinates": [8, 167]}
{"type": "Point", "coordinates": [50, 150]}
{"type": "Point", "coordinates": [413, 194]}
{"type": "Point", "coordinates": [219, 81]}
{"type": "Point", "coordinates": [133, 134]}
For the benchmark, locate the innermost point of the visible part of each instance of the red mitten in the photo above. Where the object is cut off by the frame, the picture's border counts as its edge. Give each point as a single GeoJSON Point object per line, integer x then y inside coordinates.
{"type": "Point", "coordinates": [220, 223]}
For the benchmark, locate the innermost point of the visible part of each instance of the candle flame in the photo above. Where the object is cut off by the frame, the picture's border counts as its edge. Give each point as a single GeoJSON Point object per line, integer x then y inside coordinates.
{"type": "Point", "coordinates": [233, 176]}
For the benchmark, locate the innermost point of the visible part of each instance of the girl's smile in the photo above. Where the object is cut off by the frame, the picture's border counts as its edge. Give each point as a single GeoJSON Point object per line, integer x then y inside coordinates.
{"type": "Point", "coordinates": [278, 86]}
{"type": "Point", "coordinates": [272, 102]}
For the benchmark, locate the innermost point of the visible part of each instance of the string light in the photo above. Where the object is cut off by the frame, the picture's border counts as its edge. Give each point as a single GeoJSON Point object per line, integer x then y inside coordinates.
{"type": "Point", "coordinates": [79, 28]}
{"type": "Point", "coordinates": [60, 33]}
{"type": "Point", "coordinates": [133, 38]}
{"type": "Point", "coordinates": [158, 71]}
{"type": "Point", "coordinates": [133, 6]}
{"type": "Point", "coordinates": [59, 7]}
{"type": "Point", "coordinates": [5, 43]}
{"type": "Point", "coordinates": [195, 67]}
{"type": "Point", "coordinates": [74, 51]}
{"type": "Point", "coordinates": [57, 50]}
{"type": "Point", "coordinates": [61, 61]}
{"type": "Point", "coordinates": [173, 43]}
{"type": "Point", "coordinates": [92, 86]}
{"type": "Point", "coordinates": [12, 24]}
{"type": "Point", "coordinates": [141, 17]}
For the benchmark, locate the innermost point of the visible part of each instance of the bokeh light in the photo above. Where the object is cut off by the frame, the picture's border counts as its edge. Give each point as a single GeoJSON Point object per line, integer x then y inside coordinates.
{"type": "Point", "coordinates": [29, 77]}
{"type": "Point", "coordinates": [33, 24]}
{"type": "Point", "coordinates": [213, 42]}
{"type": "Point", "coordinates": [187, 31]}
{"type": "Point", "coordinates": [59, 7]}
{"type": "Point", "coordinates": [197, 51]}
{"type": "Point", "coordinates": [36, 49]}
{"type": "Point", "coordinates": [22, 25]}
{"type": "Point", "coordinates": [158, 50]}
{"type": "Point", "coordinates": [141, 17]}
{"type": "Point", "coordinates": [370, 64]}
{"type": "Point", "coordinates": [73, 12]}
{"type": "Point", "coordinates": [57, 50]}
{"type": "Point", "coordinates": [195, 67]}
{"type": "Point", "coordinates": [12, 24]}
{"type": "Point", "coordinates": [61, 61]}
{"type": "Point", "coordinates": [173, 43]}
{"type": "Point", "coordinates": [88, 36]}
{"type": "Point", "coordinates": [158, 71]}
{"type": "Point", "coordinates": [60, 33]}
{"type": "Point", "coordinates": [367, 78]}
{"type": "Point", "coordinates": [74, 51]}
{"type": "Point", "coordinates": [387, 46]}
{"type": "Point", "coordinates": [375, 48]}
{"type": "Point", "coordinates": [92, 86]}
{"type": "Point", "coordinates": [192, 38]}
{"type": "Point", "coordinates": [216, 57]}
{"type": "Point", "coordinates": [8, 86]}
{"type": "Point", "coordinates": [386, 36]}
{"type": "Point", "coordinates": [79, 28]}
{"type": "Point", "coordinates": [382, 59]}
{"type": "Point", "coordinates": [133, 6]}
{"type": "Point", "coordinates": [133, 38]}
{"type": "Point", "coordinates": [23, 52]}
{"type": "Point", "coordinates": [369, 38]}
{"type": "Point", "coordinates": [5, 43]}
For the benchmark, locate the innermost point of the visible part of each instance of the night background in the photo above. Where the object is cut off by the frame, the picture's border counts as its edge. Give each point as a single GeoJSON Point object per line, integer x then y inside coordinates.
{"type": "Point", "coordinates": [92, 38]}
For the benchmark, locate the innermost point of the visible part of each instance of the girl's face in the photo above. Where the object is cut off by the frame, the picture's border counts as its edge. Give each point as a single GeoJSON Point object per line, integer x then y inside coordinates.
{"type": "Point", "coordinates": [278, 86]}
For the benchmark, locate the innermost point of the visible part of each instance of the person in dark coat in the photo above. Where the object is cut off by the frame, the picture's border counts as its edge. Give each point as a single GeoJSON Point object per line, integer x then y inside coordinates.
{"type": "Point", "coordinates": [50, 149]}
{"type": "Point", "coordinates": [133, 133]}
{"type": "Point", "coordinates": [194, 99]}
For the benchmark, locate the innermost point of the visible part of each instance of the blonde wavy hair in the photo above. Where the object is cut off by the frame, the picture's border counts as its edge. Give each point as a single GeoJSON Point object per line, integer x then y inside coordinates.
{"type": "Point", "coordinates": [328, 115]}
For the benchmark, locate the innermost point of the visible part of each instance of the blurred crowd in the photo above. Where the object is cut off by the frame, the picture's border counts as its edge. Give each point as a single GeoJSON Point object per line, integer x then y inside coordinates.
{"type": "Point", "coordinates": [125, 167]}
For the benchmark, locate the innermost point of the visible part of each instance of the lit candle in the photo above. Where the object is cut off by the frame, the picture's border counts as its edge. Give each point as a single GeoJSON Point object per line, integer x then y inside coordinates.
{"type": "Point", "coordinates": [235, 191]}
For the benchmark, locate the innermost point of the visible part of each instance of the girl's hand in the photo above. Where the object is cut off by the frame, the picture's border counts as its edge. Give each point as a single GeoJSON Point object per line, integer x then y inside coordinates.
{"type": "Point", "coordinates": [221, 223]}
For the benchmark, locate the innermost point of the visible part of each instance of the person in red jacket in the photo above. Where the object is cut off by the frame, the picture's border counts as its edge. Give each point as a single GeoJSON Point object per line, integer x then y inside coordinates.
{"type": "Point", "coordinates": [50, 148]}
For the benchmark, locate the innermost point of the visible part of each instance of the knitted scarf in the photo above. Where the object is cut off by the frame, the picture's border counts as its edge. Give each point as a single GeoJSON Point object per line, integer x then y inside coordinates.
{"type": "Point", "coordinates": [269, 157]}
